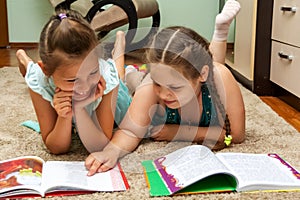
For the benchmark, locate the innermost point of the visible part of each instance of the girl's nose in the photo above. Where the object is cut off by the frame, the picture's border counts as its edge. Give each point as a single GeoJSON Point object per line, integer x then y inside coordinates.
{"type": "Point", "coordinates": [164, 92]}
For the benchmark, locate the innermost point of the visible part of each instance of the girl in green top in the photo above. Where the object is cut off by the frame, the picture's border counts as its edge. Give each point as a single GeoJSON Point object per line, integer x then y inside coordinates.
{"type": "Point", "coordinates": [187, 96]}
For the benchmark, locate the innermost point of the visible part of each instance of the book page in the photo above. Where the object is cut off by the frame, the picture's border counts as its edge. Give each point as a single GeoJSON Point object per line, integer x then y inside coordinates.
{"type": "Point", "coordinates": [188, 165]}
{"type": "Point", "coordinates": [21, 173]}
{"type": "Point", "coordinates": [67, 175]}
{"type": "Point", "coordinates": [260, 171]}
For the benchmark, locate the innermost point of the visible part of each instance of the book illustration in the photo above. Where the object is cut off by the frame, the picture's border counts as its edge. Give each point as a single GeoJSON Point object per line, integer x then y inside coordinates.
{"type": "Point", "coordinates": [165, 166]}
{"type": "Point", "coordinates": [171, 181]}
{"type": "Point", "coordinates": [26, 171]}
{"type": "Point", "coordinates": [293, 170]}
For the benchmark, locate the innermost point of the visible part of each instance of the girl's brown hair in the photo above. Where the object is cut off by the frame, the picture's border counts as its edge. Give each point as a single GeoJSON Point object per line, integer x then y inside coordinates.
{"type": "Point", "coordinates": [64, 39]}
{"type": "Point", "coordinates": [186, 51]}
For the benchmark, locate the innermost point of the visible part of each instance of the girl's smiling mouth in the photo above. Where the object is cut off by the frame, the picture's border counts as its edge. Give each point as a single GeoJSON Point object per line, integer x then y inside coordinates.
{"type": "Point", "coordinates": [79, 96]}
{"type": "Point", "coordinates": [169, 102]}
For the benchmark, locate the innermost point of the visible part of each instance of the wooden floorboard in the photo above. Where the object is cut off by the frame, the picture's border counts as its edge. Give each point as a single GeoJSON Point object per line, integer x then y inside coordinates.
{"type": "Point", "coordinates": [287, 112]}
{"type": "Point", "coordinates": [291, 115]}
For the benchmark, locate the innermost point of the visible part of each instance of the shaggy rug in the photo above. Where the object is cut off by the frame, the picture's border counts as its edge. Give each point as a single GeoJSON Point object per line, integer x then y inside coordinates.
{"type": "Point", "coordinates": [265, 132]}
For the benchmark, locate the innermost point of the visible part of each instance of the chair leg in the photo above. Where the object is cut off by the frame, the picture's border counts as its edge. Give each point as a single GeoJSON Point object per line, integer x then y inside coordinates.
{"type": "Point", "coordinates": [127, 6]}
{"type": "Point", "coordinates": [65, 5]}
{"type": "Point", "coordinates": [145, 41]}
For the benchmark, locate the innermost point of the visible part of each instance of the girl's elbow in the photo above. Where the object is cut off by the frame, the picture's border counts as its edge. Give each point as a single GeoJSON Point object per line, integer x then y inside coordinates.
{"type": "Point", "coordinates": [58, 152]}
{"type": "Point", "coordinates": [56, 149]}
{"type": "Point", "coordinates": [239, 137]}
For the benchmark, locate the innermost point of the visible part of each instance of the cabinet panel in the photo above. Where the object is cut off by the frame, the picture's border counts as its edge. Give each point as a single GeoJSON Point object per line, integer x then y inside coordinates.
{"type": "Point", "coordinates": [245, 39]}
{"type": "Point", "coordinates": [252, 46]}
{"type": "Point", "coordinates": [285, 71]}
{"type": "Point", "coordinates": [286, 21]}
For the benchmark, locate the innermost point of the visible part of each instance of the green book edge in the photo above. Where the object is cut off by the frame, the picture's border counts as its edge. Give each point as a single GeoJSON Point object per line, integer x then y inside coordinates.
{"type": "Point", "coordinates": [154, 181]}
{"type": "Point", "coordinates": [214, 183]}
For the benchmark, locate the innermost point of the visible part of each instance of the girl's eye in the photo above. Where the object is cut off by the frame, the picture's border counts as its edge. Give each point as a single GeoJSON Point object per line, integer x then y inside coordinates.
{"type": "Point", "coordinates": [175, 87]}
{"type": "Point", "coordinates": [156, 84]}
{"type": "Point", "coordinates": [71, 80]}
{"type": "Point", "coordinates": [94, 72]}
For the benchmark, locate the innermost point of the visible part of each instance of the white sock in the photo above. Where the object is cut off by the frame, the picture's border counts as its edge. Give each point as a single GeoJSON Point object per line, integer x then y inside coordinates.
{"type": "Point", "coordinates": [224, 19]}
{"type": "Point", "coordinates": [130, 69]}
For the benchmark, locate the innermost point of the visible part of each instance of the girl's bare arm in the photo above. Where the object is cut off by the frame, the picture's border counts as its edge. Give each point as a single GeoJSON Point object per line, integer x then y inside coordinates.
{"type": "Point", "coordinates": [56, 131]}
{"type": "Point", "coordinates": [95, 131]}
{"type": "Point", "coordinates": [132, 129]}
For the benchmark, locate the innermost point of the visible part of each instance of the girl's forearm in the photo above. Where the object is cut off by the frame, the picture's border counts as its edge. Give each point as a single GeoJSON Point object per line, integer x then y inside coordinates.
{"type": "Point", "coordinates": [122, 143]}
{"type": "Point", "coordinates": [59, 139]}
{"type": "Point", "coordinates": [210, 136]}
{"type": "Point", "coordinates": [89, 130]}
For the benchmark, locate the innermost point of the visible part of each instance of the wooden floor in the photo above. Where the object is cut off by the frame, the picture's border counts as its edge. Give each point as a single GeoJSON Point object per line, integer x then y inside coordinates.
{"type": "Point", "coordinates": [292, 116]}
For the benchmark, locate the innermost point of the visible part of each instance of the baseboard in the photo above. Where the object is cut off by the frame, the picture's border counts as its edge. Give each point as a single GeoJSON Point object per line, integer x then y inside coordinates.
{"type": "Point", "coordinates": [241, 79]}
{"type": "Point", "coordinates": [23, 45]}
{"type": "Point", "coordinates": [287, 97]}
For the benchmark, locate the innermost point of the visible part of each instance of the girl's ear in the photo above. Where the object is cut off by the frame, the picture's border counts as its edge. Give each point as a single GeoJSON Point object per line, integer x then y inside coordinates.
{"type": "Point", "coordinates": [204, 73]}
{"type": "Point", "coordinates": [42, 66]}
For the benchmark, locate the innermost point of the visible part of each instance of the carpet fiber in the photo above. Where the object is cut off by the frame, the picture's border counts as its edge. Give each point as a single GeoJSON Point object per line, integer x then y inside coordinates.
{"type": "Point", "coordinates": [265, 132]}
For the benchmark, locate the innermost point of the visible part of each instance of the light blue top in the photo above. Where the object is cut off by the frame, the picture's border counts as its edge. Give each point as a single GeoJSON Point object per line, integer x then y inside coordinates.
{"type": "Point", "coordinates": [43, 85]}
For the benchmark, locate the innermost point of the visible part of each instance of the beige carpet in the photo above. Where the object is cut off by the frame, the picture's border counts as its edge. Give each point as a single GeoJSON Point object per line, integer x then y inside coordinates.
{"type": "Point", "coordinates": [266, 132]}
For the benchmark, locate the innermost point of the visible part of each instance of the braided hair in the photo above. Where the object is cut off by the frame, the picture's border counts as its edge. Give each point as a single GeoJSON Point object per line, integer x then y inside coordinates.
{"type": "Point", "coordinates": [187, 52]}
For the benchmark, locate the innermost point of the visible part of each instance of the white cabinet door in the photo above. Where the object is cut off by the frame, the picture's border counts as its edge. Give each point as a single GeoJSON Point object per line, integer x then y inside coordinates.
{"type": "Point", "coordinates": [244, 44]}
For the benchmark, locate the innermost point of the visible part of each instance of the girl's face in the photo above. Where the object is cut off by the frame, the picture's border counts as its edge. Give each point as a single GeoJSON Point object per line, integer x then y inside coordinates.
{"type": "Point", "coordinates": [172, 87]}
{"type": "Point", "coordinates": [80, 77]}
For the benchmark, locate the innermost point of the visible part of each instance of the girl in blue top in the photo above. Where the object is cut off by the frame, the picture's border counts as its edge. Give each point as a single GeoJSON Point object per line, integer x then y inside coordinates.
{"type": "Point", "coordinates": [72, 86]}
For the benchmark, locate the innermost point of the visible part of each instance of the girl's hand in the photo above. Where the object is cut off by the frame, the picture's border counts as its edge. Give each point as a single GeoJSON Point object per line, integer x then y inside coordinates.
{"type": "Point", "coordinates": [97, 92]}
{"type": "Point", "coordinates": [62, 101]}
{"type": "Point", "coordinates": [100, 161]}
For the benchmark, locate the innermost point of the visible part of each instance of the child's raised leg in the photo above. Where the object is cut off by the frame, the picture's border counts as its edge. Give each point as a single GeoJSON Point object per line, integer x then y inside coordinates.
{"type": "Point", "coordinates": [23, 60]}
{"type": "Point", "coordinates": [223, 20]}
{"type": "Point", "coordinates": [118, 53]}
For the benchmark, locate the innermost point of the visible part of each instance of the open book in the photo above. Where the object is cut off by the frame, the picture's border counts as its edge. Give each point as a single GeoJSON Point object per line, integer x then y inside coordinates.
{"type": "Point", "coordinates": [30, 176]}
{"type": "Point", "coordinates": [196, 169]}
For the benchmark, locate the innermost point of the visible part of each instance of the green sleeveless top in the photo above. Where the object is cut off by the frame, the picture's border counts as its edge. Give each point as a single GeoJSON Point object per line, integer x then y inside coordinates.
{"type": "Point", "coordinates": [208, 117]}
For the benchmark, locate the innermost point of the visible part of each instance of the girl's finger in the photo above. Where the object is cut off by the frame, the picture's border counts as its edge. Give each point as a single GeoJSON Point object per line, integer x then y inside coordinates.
{"type": "Point", "coordinates": [94, 168]}
{"type": "Point", "coordinates": [102, 82]}
{"type": "Point", "coordinates": [65, 111]}
{"type": "Point", "coordinates": [62, 101]}
{"type": "Point", "coordinates": [101, 89]}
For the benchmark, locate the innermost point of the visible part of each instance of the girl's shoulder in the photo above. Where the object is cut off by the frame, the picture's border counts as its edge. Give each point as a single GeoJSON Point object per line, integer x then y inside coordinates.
{"type": "Point", "coordinates": [222, 73]}
{"type": "Point", "coordinates": [38, 82]}
{"type": "Point", "coordinates": [108, 69]}
{"type": "Point", "coordinates": [221, 68]}
{"type": "Point", "coordinates": [224, 79]}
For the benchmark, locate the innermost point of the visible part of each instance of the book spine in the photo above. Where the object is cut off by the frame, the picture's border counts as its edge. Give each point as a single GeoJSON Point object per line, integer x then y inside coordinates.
{"type": "Point", "coordinates": [123, 177]}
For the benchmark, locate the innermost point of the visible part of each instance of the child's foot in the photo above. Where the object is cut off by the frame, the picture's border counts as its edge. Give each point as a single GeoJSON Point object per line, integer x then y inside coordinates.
{"type": "Point", "coordinates": [130, 69]}
{"type": "Point", "coordinates": [23, 60]}
{"type": "Point", "coordinates": [224, 19]}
